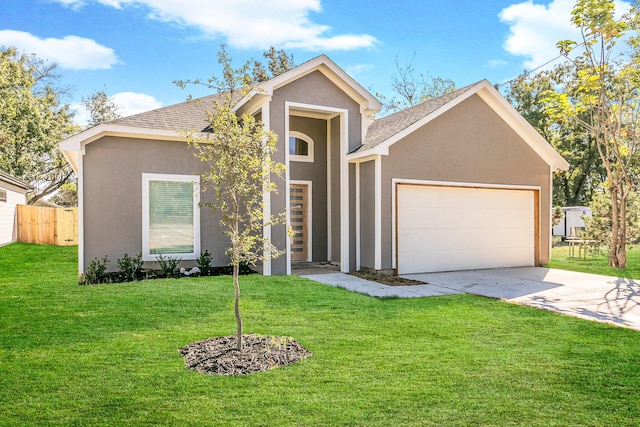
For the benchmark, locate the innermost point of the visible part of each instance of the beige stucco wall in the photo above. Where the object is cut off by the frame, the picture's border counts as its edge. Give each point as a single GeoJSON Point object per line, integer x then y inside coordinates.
{"type": "Point", "coordinates": [112, 196]}
{"type": "Point", "coordinates": [367, 217]}
{"type": "Point", "coordinates": [468, 144]}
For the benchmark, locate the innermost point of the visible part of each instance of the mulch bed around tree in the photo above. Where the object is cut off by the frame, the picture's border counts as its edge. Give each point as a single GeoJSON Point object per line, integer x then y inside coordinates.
{"type": "Point", "coordinates": [219, 355]}
{"type": "Point", "coordinates": [386, 279]}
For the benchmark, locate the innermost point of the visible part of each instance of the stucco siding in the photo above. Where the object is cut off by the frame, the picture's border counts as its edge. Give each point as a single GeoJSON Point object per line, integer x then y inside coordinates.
{"type": "Point", "coordinates": [112, 196]}
{"type": "Point", "coordinates": [468, 144]}
{"type": "Point", "coordinates": [316, 89]}
{"type": "Point", "coordinates": [367, 214]}
{"type": "Point", "coordinates": [15, 196]}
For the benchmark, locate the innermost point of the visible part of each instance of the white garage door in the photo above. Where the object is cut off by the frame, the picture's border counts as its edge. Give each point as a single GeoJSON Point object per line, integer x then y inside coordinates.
{"type": "Point", "coordinates": [457, 228]}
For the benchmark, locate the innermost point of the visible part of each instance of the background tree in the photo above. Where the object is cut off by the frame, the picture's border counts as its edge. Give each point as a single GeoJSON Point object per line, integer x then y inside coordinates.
{"type": "Point", "coordinates": [413, 88]}
{"type": "Point", "coordinates": [32, 122]}
{"type": "Point", "coordinates": [101, 108]}
{"type": "Point", "coordinates": [278, 62]}
{"type": "Point", "coordinates": [67, 195]}
{"type": "Point", "coordinates": [527, 93]}
{"type": "Point", "coordinates": [239, 169]}
{"type": "Point", "coordinates": [603, 100]}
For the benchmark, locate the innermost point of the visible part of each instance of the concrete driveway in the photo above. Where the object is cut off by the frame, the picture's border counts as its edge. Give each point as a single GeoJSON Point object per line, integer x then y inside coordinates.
{"type": "Point", "coordinates": [589, 296]}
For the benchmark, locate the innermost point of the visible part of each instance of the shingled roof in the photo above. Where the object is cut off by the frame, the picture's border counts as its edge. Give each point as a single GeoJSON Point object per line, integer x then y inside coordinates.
{"type": "Point", "coordinates": [382, 129]}
{"type": "Point", "coordinates": [188, 115]}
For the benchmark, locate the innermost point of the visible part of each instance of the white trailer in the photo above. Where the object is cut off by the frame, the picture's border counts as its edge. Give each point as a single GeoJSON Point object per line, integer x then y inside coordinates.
{"type": "Point", "coordinates": [571, 223]}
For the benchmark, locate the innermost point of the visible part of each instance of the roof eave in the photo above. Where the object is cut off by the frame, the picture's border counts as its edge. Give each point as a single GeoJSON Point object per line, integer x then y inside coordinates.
{"type": "Point", "coordinates": [73, 147]}
{"type": "Point", "coordinates": [329, 68]}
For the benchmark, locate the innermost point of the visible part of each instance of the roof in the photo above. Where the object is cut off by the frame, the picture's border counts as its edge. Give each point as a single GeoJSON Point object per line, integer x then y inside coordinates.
{"type": "Point", "coordinates": [384, 132]}
{"type": "Point", "coordinates": [188, 115]}
{"type": "Point", "coordinates": [169, 122]}
{"type": "Point", "coordinates": [10, 179]}
{"type": "Point", "coordinates": [382, 129]}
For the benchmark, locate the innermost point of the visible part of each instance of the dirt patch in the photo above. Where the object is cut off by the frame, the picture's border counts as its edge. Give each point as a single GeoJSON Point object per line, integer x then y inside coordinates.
{"type": "Point", "coordinates": [387, 279]}
{"type": "Point", "coordinates": [219, 355]}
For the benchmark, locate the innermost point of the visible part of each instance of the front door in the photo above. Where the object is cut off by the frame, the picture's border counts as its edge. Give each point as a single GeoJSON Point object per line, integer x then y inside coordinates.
{"type": "Point", "coordinates": [299, 213]}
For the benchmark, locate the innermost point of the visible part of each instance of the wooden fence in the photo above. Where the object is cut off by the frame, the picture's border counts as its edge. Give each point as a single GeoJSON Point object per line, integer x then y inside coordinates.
{"type": "Point", "coordinates": [47, 226]}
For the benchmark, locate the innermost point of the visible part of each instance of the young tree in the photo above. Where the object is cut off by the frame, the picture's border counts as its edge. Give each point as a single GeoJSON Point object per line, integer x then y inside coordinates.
{"type": "Point", "coordinates": [32, 122]}
{"type": "Point", "coordinates": [604, 102]}
{"type": "Point", "coordinates": [101, 108]}
{"type": "Point", "coordinates": [239, 170]}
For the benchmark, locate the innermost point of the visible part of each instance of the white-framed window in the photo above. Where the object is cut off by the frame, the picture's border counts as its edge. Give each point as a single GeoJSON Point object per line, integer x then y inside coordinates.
{"type": "Point", "coordinates": [170, 216]}
{"type": "Point", "coordinates": [300, 147]}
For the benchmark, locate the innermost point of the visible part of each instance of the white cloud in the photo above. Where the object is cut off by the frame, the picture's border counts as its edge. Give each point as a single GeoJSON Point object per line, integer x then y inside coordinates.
{"type": "Point", "coordinates": [71, 52]}
{"type": "Point", "coordinates": [130, 103]}
{"type": "Point", "coordinates": [359, 68]}
{"type": "Point", "coordinates": [536, 28]}
{"type": "Point", "coordinates": [496, 63]}
{"type": "Point", "coordinates": [134, 103]}
{"type": "Point", "coordinates": [248, 23]}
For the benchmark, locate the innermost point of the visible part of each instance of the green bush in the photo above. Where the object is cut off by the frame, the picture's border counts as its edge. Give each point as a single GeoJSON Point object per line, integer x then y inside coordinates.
{"type": "Point", "coordinates": [204, 262]}
{"type": "Point", "coordinates": [96, 272]}
{"type": "Point", "coordinates": [168, 265]}
{"type": "Point", "coordinates": [130, 267]}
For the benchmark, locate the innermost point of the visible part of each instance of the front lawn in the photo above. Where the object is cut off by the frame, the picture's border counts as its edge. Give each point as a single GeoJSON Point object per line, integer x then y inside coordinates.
{"type": "Point", "coordinates": [106, 355]}
{"type": "Point", "coordinates": [596, 264]}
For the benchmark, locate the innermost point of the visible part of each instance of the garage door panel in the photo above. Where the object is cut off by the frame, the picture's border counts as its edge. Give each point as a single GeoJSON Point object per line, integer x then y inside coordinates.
{"type": "Point", "coordinates": [464, 259]}
{"type": "Point", "coordinates": [473, 239]}
{"type": "Point", "coordinates": [453, 228]}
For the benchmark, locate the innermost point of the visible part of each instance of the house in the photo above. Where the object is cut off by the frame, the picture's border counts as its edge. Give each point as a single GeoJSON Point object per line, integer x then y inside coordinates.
{"type": "Point", "coordinates": [458, 182]}
{"type": "Point", "coordinates": [13, 192]}
{"type": "Point", "coordinates": [571, 223]}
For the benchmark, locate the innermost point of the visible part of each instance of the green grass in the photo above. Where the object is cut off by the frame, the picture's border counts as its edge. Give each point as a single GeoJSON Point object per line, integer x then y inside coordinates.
{"type": "Point", "coordinates": [597, 265]}
{"type": "Point", "coordinates": [107, 355]}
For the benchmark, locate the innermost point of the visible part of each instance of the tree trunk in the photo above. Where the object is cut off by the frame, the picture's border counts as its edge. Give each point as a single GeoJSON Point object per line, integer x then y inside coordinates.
{"type": "Point", "coordinates": [236, 284]}
{"type": "Point", "coordinates": [617, 248]}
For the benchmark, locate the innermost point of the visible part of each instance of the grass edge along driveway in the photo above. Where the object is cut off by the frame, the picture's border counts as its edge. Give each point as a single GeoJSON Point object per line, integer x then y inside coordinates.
{"type": "Point", "coordinates": [107, 355]}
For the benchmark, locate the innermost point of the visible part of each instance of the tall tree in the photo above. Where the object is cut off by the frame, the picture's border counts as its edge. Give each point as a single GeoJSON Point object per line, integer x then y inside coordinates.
{"type": "Point", "coordinates": [604, 101]}
{"type": "Point", "coordinates": [101, 108]}
{"type": "Point", "coordinates": [413, 88]}
{"type": "Point", "coordinates": [527, 94]}
{"type": "Point", "coordinates": [32, 122]}
{"type": "Point", "coordinates": [239, 170]}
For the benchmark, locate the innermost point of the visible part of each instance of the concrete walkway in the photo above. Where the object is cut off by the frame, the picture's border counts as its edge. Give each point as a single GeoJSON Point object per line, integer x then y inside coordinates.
{"type": "Point", "coordinates": [589, 296]}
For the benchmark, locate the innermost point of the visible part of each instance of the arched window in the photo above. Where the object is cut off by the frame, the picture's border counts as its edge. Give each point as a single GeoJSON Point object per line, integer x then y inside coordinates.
{"type": "Point", "coordinates": [300, 147]}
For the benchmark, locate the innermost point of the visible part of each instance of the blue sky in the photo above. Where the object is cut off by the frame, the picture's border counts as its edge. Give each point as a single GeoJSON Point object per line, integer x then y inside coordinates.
{"type": "Point", "coordinates": [135, 49]}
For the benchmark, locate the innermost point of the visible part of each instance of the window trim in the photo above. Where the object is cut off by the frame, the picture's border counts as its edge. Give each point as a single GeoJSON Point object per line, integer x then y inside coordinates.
{"type": "Point", "coordinates": [146, 179]}
{"type": "Point", "coordinates": [305, 138]}
{"type": "Point", "coordinates": [3, 195]}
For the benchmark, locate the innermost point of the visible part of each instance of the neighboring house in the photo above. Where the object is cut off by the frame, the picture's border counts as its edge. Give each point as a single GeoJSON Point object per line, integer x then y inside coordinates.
{"type": "Point", "coordinates": [458, 182]}
{"type": "Point", "coordinates": [13, 191]}
{"type": "Point", "coordinates": [572, 223]}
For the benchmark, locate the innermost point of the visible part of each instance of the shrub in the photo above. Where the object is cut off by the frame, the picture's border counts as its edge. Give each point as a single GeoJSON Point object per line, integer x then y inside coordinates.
{"type": "Point", "coordinates": [130, 267]}
{"type": "Point", "coordinates": [204, 262]}
{"type": "Point", "coordinates": [96, 272]}
{"type": "Point", "coordinates": [168, 265]}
